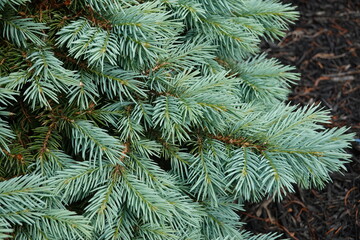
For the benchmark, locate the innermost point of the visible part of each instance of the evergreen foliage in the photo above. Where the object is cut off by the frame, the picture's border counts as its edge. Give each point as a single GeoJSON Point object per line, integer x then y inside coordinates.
{"type": "Point", "coordinates": [134, 119]}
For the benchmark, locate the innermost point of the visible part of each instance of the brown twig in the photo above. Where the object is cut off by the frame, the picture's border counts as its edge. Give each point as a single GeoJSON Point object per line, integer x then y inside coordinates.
{"type": "Point", "coordinates": [158, 66]}
{"type": "Point", "coordinates": [103, 23]}
{"type": "Point", "coordinates": [240, 142]}
{"type": "Point", "coordinates": [348, 194]}
{"type": "Point", "coordinates": [46, 140]}
{"type": "Point", "coordinates": [18, 157]}
{"type": "Point", "coordinates": [274, 222]}
{"type": "Point", "coordinates": [120, 168]}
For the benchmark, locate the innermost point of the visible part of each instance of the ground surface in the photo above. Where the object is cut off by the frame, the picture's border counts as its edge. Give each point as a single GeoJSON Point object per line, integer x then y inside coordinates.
{"type": "Point", "coordinates": [324, 45]}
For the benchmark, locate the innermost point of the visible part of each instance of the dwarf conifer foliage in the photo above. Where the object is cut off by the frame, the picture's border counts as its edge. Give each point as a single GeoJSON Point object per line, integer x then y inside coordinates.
{"type": "Point", "coordinates": [135, 119]}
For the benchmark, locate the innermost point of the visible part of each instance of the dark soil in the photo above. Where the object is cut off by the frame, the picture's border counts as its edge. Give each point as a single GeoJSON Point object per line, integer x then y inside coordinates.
{"type": "Point", "coordinates": [324, 45]}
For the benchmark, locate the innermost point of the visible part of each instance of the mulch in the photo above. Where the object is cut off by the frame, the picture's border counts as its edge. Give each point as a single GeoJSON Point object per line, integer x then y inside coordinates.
{"type": "Point", "coordinates": [324, 45]}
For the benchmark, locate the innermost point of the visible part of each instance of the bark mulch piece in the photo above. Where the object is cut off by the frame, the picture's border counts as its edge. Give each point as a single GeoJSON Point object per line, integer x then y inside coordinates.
{"type": "Point", "coordinates": [324, 45]}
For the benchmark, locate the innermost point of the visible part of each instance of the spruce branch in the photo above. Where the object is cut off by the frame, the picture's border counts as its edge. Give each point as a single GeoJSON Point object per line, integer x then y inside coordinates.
{"type": "Point", "coordinates": [132, 119]}
{"type": "Point", "coordinates": [12, 3]}
{"type": "Point", "coordinates": [20, 30]}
